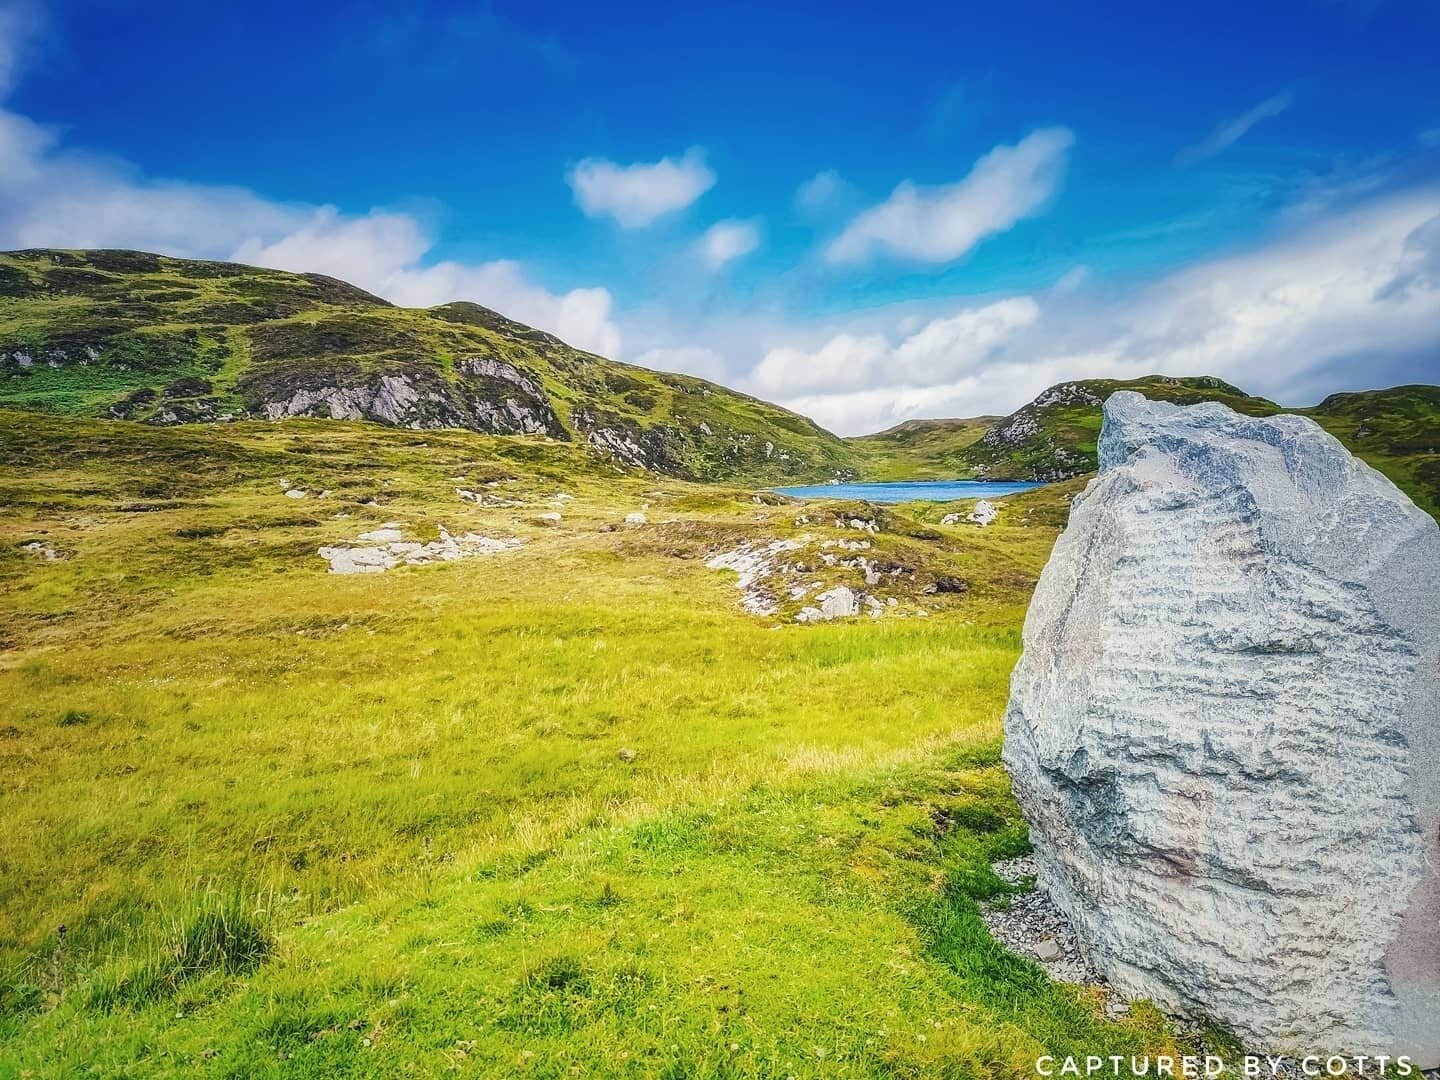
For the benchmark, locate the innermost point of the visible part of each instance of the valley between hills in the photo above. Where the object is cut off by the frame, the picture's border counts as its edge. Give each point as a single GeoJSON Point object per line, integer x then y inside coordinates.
{"type": "Point", "coordinates": [563, 784]}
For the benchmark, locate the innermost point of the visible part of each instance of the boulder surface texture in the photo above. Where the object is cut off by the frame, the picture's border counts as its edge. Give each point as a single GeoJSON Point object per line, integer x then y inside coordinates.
{"type": "Point", "coordinates": [1225, 731]}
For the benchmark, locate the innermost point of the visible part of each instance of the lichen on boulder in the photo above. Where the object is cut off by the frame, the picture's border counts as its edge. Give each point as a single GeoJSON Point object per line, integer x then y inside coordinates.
{"type": "Point", "coordinates": [1225, 731]}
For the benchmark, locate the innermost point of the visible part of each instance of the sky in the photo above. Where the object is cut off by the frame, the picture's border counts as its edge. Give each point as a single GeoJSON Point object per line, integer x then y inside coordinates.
{"type": "Point", "coordinates": [867, 213]}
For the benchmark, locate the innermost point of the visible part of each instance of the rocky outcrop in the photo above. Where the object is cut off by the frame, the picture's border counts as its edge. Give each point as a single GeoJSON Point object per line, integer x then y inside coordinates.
{"type": "Point", "coordinates": [1225, 731]}
{"type": "Point", "coordinates": [490, 395]}
{"type": "Point", "coordinates": [386, 548]}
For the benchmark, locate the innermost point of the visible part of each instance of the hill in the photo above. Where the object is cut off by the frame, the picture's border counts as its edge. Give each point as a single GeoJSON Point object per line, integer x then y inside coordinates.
{"type": "Point", "coordinates": [130, 335]}
{"type": "Point", "coordinates": [1396, 430]}
{"type": "Point", "coordinates": [1053, 437]}
{"type": "Point", "coordinates": [921, 449]}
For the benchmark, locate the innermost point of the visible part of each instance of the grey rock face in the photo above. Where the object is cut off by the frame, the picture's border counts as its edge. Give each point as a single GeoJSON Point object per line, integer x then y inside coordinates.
{"type": "Point", "coordinates": [1225, 731]}
{"type": "Point", "coordinates": [494, 397]}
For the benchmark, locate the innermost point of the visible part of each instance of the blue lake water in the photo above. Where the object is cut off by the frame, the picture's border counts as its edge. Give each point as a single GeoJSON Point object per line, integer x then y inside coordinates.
{"type": "Point", "coordinates": [911, 490]}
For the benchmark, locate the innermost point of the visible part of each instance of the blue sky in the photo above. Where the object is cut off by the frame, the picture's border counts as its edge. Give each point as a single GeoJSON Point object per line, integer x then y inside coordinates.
{"type": "Point", "coordinates": [864, 212]}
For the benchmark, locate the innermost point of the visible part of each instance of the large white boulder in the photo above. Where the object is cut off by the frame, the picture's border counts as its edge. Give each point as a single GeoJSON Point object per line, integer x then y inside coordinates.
{"type": "Point", "coordinates": [1225, 731]}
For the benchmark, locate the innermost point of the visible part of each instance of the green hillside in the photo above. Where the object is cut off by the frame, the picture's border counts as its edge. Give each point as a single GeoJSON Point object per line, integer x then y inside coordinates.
{"type": "Point", "coordinates": [1395, 430]}
{"type": "Point", "coordinates": [130, 335]}
{"type": "Point", "coordinates": [921, 449]}
{"type": "Point", "coordinates": [1053, 437]}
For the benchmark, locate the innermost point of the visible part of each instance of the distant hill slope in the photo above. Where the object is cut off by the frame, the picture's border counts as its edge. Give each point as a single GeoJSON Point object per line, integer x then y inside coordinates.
{"type": "Point", "coordinates": [921, 449]}
{"type": "Point", "coordinates": [1053, 437]}
{"type": "Point", "coordinates": [1396, 430]}
{"type": "Point", "coordinates": [131, 335]}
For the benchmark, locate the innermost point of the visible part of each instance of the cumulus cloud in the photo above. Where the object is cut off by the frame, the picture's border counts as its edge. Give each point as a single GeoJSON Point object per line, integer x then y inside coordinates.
{"type": "Point", "coordinates": [939, 351]}
{"type": "Point", "coordinates": [1359, 289]}
{"type": "Point", "coordinates": [938, 224]}
{"type": "Point", "coordinates": [820, 192]}
{"type": "Point", "coordinates": [54, 196]}
{"type": "Point", "coordinates": [1232, 130]}
{"type": "Point", "coordinates": [687, 359]}
{"type": "Point", "coordinates": [581, 317]}
{"type": "Point", "coordinates": [726, 240]}
{"type": "Point", "coordinates": [635, 195]}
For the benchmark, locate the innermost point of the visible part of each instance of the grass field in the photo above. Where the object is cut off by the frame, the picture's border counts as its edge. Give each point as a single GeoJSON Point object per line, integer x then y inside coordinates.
{"type": "Point", "coordinates": [266, 820]}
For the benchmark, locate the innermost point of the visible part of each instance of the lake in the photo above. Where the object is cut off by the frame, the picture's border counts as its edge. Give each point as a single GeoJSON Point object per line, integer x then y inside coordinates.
{"type": "Point", "coordinates": [910, 490]}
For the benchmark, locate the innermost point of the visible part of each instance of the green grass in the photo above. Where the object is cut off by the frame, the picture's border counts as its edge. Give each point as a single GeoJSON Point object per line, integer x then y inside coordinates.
{"type": "Point", "coordinates": [1396, 430]}
{"type": "Point", "coordinates": [302, 824]}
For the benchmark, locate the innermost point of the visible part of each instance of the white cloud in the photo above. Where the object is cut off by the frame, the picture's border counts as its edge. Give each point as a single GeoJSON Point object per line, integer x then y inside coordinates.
{"type": "Point", "coordinates": [635, 195]}
{"type": "Point", "coordinates": [820, 192]}
{"type": "Point", "coordinates": [581, 317]}
{"type": "Point", "coordinates": [938, 224]}
{"type": "Point", "coordinates": [844, 362]}
{"type": "Point", "coordinates": [688, 360]}
{"type": "Point", "coordinates": [368, 251]}
{"type": "Point", "coordinates": [1341, 300]}
{"type": "Point", "coordinates": [726, 240]}
{"type": "Point", "coordinates": [51, 196]}
{"type": "Point", "coordinates": [1232, 130]}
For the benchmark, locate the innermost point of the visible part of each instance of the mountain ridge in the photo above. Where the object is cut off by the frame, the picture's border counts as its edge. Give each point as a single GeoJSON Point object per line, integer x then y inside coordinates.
{"type": "Point", "coordinates": [133, 335]}
{"type": "Point", "coordinates": [1052, 438]}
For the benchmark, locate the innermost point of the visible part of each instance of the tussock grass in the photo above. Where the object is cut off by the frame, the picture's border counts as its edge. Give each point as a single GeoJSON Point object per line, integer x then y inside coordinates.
{"type": "Point", "coordinates": [418, 846]}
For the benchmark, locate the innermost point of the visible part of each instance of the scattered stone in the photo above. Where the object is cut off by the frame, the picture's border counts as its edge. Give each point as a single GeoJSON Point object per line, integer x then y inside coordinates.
{"type": "Point", "coordinates": [551, 518]}
{"type": "Point", "coordinates": [44, 550]}
{"type": "Point", "coordinates": [386, 549]}
{"type": "Point", "coordinates": [1222, 730]}
{"type": "Point", "coordinates": [1030, 924]}
{"type": "Point", "coordinates": [295, 493]}
{"type": "Point", "coordinates": [983, 514]}
{"type": "Point", "coordinates": [389, 533]}
{"type": "Point", "coordinates": [628, 755]}
{"type": "Point", "coordinates": [953, 585]}
{"type": "Point", "coordinates": [840, 602]}
{"type": "Point", "coordinates": [952, 519]}
{"type": "Point", "coordinates": [754, 563]}
{"type": "Point", "coordinates": [636, 518]}
{"type": "Point", "coordinates": [480, 498]}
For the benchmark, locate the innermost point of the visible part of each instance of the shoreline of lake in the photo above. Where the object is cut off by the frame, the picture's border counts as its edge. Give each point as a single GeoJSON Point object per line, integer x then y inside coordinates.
{"type": "Point", "coordinates": [901, 491]}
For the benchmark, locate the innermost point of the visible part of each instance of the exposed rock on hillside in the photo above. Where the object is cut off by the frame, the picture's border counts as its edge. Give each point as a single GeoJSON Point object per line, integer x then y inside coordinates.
{"type": "Point", "coordinates": [133, 336]}
{"type": "Point", "coordinates": [386, 548]}
{"type": "Point", "coordinates": [1225, 730]}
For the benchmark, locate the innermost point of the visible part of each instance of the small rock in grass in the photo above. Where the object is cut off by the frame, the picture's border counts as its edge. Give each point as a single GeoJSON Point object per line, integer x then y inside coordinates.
{"type": "Point", "coordinates": [636, 518]}
{"type": "Point", "coordinates": [628, 755]}
{"type": "Point", "coordinates": [1047, 951]}
{"type": "Point", "coordinates": [984, 513]}
{"type": "Point", "coordinates": [44, 550]}
{"type": "Point", "coordinates": [388, 533]}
